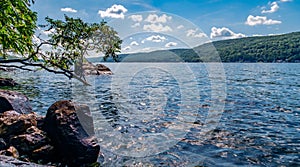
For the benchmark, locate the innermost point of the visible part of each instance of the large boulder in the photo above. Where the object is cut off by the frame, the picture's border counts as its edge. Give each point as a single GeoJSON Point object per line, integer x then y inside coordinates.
{"type": "Point", "coordinates": [11, 100]}
{"type": "Point", "coordinates": [88, 68]}
{"type": "Point", "coordinates": [72, 142]}
{"type": "Point", "coordinates": [7, 82]}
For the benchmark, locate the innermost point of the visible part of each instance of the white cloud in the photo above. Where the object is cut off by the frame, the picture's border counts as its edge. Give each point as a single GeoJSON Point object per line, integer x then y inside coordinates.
{"type": "Point", "coordinates": [193, 33]}
{"type": "Point", "coordinates": [273, 34]}
{"type": "Point", "coordinates": [257, 35]}
{"type": "Point", "coordinates": [286, 0]}
{"type": "Point", "coordinates": [49, 32]}
{"type": "Point", "coordinates": [36, 40]}
{"type": "Point", "coordinates": [180, 27]}
{"type": "Point", "coordinates": [146, 49]}
{"type": "Point", "coordinates": [116, 11]}
{"type": "Point", "coordinates": [260, 20]}
{"type": "Point", "coordinates": [136, 18]}
{"type": "Point", "coordinates": [134, 43]}
{"type": "Point", "coordinates": [126, 48]}
{"type": "Point", "coordinates": [153, 18]}
{"type": "Point", "coordinates": [136, 25]}
{"type": "Point", "coordinates": [274, 8]}
{"type": "Point", "coordinates": [224, 33]}
{"type": "Point", "coordinates": [155, 38]}
{"type": "Point", "coordinates": [157, 28]}
{"type": "Point", "coordinates": [68, 10]}
{"type": "Point", "coordinates": [170, 44]}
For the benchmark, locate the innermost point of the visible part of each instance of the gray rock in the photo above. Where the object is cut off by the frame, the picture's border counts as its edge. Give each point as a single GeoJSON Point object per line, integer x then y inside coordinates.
{"type": "Point", "coordinates": [11, 100]}
{"type": "Point", "coordinates": [6, 161]}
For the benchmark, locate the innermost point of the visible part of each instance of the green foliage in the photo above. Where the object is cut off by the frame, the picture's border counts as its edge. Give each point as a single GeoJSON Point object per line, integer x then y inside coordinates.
{"type": "Point", "coordinates": [17, 27]}
{"type": "Point", "coordinates": [72, 39]}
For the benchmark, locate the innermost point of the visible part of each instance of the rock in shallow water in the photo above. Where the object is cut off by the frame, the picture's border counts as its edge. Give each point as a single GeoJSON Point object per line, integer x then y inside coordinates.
{"type": "Point", "coordinates": [88, 68]}
{"type": "Point", "coordinates": [7, 82]}
{"type": "Point", "coordinates": [11, 100]}
{"type": "Point", "coordinates": [72, 142]}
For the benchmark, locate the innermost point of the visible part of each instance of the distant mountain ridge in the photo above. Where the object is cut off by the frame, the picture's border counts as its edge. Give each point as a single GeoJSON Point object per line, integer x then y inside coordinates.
{"type": "Point", "coordinates": [277, 48]}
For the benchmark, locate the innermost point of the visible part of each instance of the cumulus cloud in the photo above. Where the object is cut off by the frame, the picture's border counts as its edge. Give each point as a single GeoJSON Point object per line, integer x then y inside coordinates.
{"type": "Point", "coordinates": [193, 33]}
{"type": "Point", "coordinates": [68, 10]}
{"type": "Point", "coordinates": [134, 43]}
{"type": "Point", "coordinates": [146, 49]}
{"type": "Point", "coordinates": [36, 40]}
{"type": "Point", "coordinates": [155, 38]}
{"type": "Point", "coordinates": [274, 8]}
{"type": "Point", "coordinates": [136, 18]}
{"type": "Point", "coordinates": [224, 33]}
{"type": "Point", "coordinates": [170, 44]}
{"type": "Point", "coordinates": [157, 28]}
{"type": "Point", "coordinates": [48, 32]}
{"type": "Point", "coordinates": [257, 35]}
{"type": "Point", "coordinates": [260, 20]}
{"type": "Point", "coordinates": [126, 48]}
{"type": "Point", "coordinates": [180, 27]}
{"type": "Point", "coordinates": [153, 18]}
{"type": "Point", "coordinates": [136, 25]}
{"type": "Point", "coordinates": [116, 11]}
{"type": "Point", "coordinates": [286, 0]}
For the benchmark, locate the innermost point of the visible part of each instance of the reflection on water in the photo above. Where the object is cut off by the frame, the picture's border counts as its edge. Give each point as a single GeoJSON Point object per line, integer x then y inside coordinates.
{"type": "Point", "coordinates": [260, 124]}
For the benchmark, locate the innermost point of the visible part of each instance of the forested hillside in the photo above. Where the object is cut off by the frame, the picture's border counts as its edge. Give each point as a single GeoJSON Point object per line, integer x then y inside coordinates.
{"type": "Point", "coordinates": [279, 48]}
{"type": "Point", "coordinates": [261, 49]}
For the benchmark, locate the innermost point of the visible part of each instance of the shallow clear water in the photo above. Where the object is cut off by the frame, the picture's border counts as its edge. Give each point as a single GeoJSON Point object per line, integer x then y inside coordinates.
{"type": "Point", "coordinates": [172, 114]}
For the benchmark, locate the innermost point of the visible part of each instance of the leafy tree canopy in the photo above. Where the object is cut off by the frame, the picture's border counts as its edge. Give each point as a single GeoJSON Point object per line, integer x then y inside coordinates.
{"type": "Point", "coordinates": [17, 27]}
{"type": "Point", "coordinates": [70, 39]}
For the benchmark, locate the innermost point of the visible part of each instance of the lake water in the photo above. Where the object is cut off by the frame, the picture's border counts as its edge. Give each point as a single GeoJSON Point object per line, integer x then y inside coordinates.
{"type": "Point", "coordinates": [185, 114]}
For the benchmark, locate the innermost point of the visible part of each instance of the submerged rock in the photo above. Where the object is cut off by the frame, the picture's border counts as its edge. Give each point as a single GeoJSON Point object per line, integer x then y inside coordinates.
{"type": "Point", "coordinates": [11, 100]}
{"type": "Point", "coordinates": [72, 142]}
{"type": "Point", "coordinates": [84, 115]}
{"type": "Point", "coordinates": [7, 82]}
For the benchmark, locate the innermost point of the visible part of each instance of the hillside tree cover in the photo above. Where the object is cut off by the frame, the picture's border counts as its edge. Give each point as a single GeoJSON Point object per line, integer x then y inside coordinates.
{"type": "Point", "coordinates": [67, 44]}
{"type": "Point", "coordinates": [276, 48]}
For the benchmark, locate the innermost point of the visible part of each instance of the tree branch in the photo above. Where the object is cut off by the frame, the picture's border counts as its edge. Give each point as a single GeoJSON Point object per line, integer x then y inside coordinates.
{"type": "Point", "coordinates": [15, 66]}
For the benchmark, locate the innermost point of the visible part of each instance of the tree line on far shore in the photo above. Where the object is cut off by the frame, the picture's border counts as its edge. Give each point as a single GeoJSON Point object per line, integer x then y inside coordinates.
{"type": "Point", "coordinates": [276, 48]}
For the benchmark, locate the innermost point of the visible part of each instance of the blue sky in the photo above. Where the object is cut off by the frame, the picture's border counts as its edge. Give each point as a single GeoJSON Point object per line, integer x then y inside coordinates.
{"type": "Point", "coordinates": [148, 24]}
